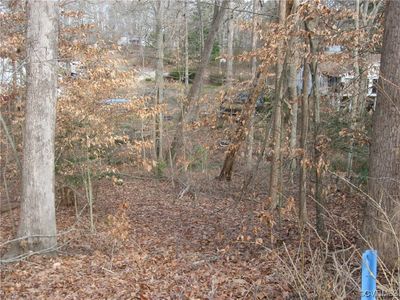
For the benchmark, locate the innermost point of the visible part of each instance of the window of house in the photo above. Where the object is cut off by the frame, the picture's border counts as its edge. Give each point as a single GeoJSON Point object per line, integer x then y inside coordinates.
{"type": "Point", "coordinates": [374, 84]}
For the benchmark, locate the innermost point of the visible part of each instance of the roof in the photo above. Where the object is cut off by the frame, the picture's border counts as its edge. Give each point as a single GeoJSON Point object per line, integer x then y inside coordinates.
{"type": "Point", "coordinates": [338, 65]}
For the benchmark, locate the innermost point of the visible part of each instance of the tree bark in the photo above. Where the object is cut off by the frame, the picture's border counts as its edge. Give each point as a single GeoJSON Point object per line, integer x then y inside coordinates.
{"type": "Point", "coordinates": [357, 92]}
{"type": "Point", "coordinates": [276, 155]}
{"type": "Point", "coordinates": [198, 2]}
{"type": "Point", "coordinates": [292, 91]}
{"type": "Point", "coordinates": [229, 61]}
{"type": "Point", "coordinates": [38, 222]}
{"type": "Point", "coordinates": [382, 220]}
{"type": "Point", "coordinates": [317, 159]}
{"type": "Point", "coordinates": [186, 49]}
{"type": "Point", "coordinates": [303, 145]}
{"type": "Point", "coordinates": [205, 58]}
{"type": "Point", "coordinates": [254, 39]}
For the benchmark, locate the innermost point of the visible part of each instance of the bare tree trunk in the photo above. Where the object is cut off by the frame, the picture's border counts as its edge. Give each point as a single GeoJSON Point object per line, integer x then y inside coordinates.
{"type": "Point", "coordinates": [355, 98]}
{"type": "Point", "coordinates": [319, 201]}
{"type": "Point", "coordinates": [276, 155]}
{"type": "Point", "coordinates": [10, 139]}
{"type": "Point", "coordinates": [158, 142]}
{"type": "Point", "coordinates": [367, 18]}
{"type": "Point", "coordinates": [186, 49]}
{"type": "Point", "coordinates": [142, 53]}
{"type": "Point", "coordinates": [242, 128]}
{"type": "Point", "coordinates": [292, 89]}
{"type": "Point", "coordinates": [14, 81]}
{"type": "Point", "coordinates": [193, 94]}
{"type": "Point", "coordinates": [38, 221]}
{"type": "Point", "coordinates": [205, 58]}
{"type": "Point", "coordinates": [229, 61]}
{"type": "Point", "coordinates": [382, 220]}
{"type": "Point", "coordinates": [198, 2]}
{"type": "Point", "coordinates": [254, 39]}
{"type": "Point", "coordinates": [303, 145]}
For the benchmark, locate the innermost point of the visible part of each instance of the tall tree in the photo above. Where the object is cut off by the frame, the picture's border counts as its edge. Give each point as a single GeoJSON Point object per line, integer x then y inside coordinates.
{"type": "Point", "coordinates": [243, 127]}
{"type": "Point", "coordinates": [229, 61]}
{"type": "Point", "coordinates": [382, 218]}
{"type": "Point", "coordinates": [303, 145]}
{"type": "Point", "coordinates": [186, 48]}
{"type": "Point", "coordinates": [276, 155]}
{"type": "Point", "coordinates": [317, 139]}
{"type": "Point", "coordinates": [219, 12]}
{"type": "Point", "coordinates": [254, 38]}
{"type": "Point", "coordinates": [355, 99]}
{"type": "Point", "coordinates": [292, 90]}
{"type": "Point", "coordinates": [38, 221]}
{"type": "Point", "coordinates": [158, 140]}
{"type": "Point", "coordinates": [201, 25]}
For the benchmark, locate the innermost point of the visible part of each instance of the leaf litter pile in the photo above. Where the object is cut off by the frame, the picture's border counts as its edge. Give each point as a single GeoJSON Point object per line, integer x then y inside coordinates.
{"type": "Point", "coordinates": [149, 243]}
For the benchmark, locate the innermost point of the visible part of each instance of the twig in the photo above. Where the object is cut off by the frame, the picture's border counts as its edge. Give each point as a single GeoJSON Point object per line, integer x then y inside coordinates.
{"type": "Point", "coordinates": [34, 236]}
{"type": "Point", "coordinates": [11, 141]}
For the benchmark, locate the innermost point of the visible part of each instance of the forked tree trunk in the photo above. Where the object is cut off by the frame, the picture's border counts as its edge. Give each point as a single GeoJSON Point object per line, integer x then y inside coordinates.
{"type": "Point", "coordinates": [177, 143]}
{"type": "Point", "coordinates": [277, 128]}
{"type": "Point", "coordinates": [37, 224]}
{"type": "Point", "coordinates": [382, 219]}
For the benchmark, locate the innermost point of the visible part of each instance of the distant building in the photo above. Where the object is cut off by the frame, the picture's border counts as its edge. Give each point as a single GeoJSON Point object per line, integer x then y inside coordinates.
{"type": "Point", "coordinates": [136, 41]}
{"type": "Point", "coordinates": [339, 78]}
{"type": "Point", "coordinates": [11, 72]}
{"type": "Point", "coordinates": [334, 49]}
{"type": "Point", "coordinates": [127, 40]}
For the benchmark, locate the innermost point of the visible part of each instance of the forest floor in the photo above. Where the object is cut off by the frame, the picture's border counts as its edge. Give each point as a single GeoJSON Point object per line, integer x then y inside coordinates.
{"type": "Point", "coordinates": [150, 243]}
{"type": "Point", "coordinates": [155, 238]}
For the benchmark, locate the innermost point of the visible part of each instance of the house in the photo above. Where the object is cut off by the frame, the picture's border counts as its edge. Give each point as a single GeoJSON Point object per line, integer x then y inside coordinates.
{"type": "Point", "coordinates": [128, 40]}
{"type": "Point", "coordinates": [11, 72]}
{"type": "Point", "coordinates": [334, 49]}
{"type": "Point", "coordinates": [340, 77]}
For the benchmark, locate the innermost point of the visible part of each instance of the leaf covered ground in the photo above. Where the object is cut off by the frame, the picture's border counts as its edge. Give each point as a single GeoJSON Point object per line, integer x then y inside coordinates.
{"type": "Point", "coordinates": [150, 243]}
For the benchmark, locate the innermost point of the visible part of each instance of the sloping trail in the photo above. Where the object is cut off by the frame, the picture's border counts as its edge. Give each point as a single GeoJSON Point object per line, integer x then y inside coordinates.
{"type": "Point", "coordinates": [175, 249]}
